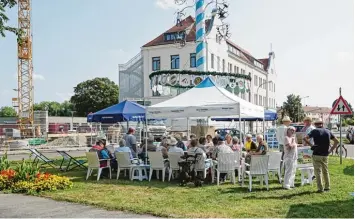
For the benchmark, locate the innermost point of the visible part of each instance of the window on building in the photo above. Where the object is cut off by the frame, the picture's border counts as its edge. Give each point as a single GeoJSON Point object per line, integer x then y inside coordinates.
{"type": "Point", "coordinates": [264, 101]}
{"type": "Point", "coordinates": [212, 60]}
{"type": "Point", "coordinates": [255, 80]}
{"type": "Point", "coordinates": [260, 100]}
{"type": "Point", "coordinates": [274, 88]}
{"type": "Point", "coordinates": [192, 60]}
{"type": "Point", "coordinates": [255, 99]}
{"type": "Point", "coordinates": [260, 81]}
{"type": "Point", "coordinates": [270, 86]}
{"type": "Point", "coordinates": [173, 36]}
{"type": "Point", "coordinates": [218, 63]}
{"type": "Point", "coordinates": [175, 61]}
{"type": "Point", "coordinates": [264, 83]}
{"type": "Point", "coordinates": [230, 68]}
{"type": "Point", "coordinates": [156, 63]}
{"type": "Point", "coordinates": [223, 65]}
{"type": "Point", "coordinates": [235, 69]}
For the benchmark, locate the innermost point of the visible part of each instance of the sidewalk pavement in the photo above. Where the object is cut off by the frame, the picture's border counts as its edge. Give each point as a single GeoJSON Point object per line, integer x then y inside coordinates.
{"type": "Point", "coordinates": [21, 206]}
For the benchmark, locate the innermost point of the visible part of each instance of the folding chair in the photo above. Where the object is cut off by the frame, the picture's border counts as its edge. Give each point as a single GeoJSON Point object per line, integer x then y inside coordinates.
{"type": "Point", "coordinates": [72, 162]}
{"type": "Point", "coordinates": [40, 157]}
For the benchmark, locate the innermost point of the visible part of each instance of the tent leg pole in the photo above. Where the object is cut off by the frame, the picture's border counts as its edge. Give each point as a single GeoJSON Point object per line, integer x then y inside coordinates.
{"type": "Point", "coordinates": [188, 125]}
{"type": "Point", "coordinates": [146, 140]}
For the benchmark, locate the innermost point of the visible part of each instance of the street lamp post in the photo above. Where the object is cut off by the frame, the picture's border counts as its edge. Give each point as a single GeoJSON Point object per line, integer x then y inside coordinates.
{"type": "Point", "coordinates": [298, 113]}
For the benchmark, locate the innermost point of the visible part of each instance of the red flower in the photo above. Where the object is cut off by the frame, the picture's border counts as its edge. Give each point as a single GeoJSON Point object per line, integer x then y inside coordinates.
{"type": "Point", "coordinates": [9, 173]}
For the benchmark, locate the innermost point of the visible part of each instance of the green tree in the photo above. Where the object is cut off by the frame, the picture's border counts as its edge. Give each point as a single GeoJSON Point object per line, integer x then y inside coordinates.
{"type": "Point", "coordinates": [5, 4]}
{"type": "Point", "coordinates": [293, 108]}
{"type": "Point", "coordinates": [7, 111]}
{"type": "Point", "coordinates": [54, 108]}
{"type": "Point", "coordinates": [94, 95]}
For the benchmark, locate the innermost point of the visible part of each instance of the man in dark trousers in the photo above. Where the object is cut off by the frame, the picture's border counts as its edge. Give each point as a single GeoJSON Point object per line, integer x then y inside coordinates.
{"type": "Point", "coordinates": [321, 137]}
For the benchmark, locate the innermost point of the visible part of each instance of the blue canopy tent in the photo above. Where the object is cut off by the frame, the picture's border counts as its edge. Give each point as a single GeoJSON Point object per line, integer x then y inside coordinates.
{"type": "Point", "coordinates": [124, 111]}
{"type": "Point", "coordinates": [268, 115]}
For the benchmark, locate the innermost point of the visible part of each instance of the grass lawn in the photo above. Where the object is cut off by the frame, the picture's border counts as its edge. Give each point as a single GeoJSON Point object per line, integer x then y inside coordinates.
{"type": "Point", "coordinates": [169, 200]}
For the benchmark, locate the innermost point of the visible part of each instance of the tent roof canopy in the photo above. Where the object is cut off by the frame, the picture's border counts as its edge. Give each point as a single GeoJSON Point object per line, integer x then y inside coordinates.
{"type": "Point", "coordinates": [124, 111]}
{"type": "Point", "coordinates": [206, 99]}
{"type": "Point", "coordinates": [268, 116]}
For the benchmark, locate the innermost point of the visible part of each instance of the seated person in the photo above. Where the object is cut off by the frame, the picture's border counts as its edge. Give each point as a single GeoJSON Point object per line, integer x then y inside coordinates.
{"type": "Point", "coordinates": [163, 147]}
{"type": "Point", "coordinates": [194, 149]}
{"type": "Point", "coordinates": [261, 149]}
{"type": "Point", "coordinates": [221, 148]}
{"type": "Point", "coordinates": [124, 148]}
{"type": "Point", "coordinates": [250, 144]}
{"type": "Point", "coordinates": [236, 145]}
{"type": "Point", "coordinates": [103, 153]}
{"type": "Point", "coordinates": [262, 146]}
{"type": "Point", "coordinates": [180, 143]}
{"type": "Point", "coordinates": [202, 143]}
{"type": "Point", "coordinates": [172, 143]}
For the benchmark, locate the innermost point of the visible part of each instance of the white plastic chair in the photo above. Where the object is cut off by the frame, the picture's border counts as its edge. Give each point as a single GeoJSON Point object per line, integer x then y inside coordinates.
{"type": "Point", "coordinates": [156, 163]}
{"type": "Point", "coordinates": [226, 164]}
{"type": "Point", "coordinates": [258, 167]}
{"type": "Point", "coordinates": [123, 163]}
{"type": "Point", "coordinates": [174, 158]}
{"type": "Point", "coordinates": [200, 165]}
{"type": "Point", "coordinates": [238, 165]}
{"type": "Point", "coordinates": [274, 163]}
{"type": "Point", "coordinates": [94, 163]}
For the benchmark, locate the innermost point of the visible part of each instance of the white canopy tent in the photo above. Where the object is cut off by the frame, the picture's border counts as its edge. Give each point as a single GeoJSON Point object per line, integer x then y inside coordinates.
{"type": "Point", "coordinates": [206, 99]}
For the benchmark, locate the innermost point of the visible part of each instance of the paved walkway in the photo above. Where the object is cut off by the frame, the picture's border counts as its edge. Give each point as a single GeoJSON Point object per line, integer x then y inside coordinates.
{"type": "Point", "coordinates": [20, 206]}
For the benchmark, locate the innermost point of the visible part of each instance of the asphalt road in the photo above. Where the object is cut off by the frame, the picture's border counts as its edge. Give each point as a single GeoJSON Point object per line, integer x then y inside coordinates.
{"type": "Point", "coordinates": [20, 206]}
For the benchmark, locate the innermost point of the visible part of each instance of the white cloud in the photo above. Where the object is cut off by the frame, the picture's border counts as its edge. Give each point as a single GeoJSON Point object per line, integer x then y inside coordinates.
{"type": "Point", "coordinates": [344, 56]}
{"type": "Point", "coordinates": [38, 77]}
{"type": "Point", "coordinates": [64, 96]}
{"type": "Point", "coordinates": [166, 4]}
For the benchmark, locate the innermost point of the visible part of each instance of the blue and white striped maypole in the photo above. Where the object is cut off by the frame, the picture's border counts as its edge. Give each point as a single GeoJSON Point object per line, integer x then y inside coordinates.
{"type": "Point", "coordinates": [200, 35]}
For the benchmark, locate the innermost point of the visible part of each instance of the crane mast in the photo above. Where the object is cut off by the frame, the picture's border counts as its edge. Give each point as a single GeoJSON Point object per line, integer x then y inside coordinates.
{"type": "Point", "coordinates": [25, 68]}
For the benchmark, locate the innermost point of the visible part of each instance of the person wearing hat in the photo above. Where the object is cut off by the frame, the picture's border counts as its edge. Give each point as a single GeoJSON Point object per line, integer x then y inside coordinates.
{"type": "Point", "coordinates": [308, 127]}
{"type": "Point", "coordinates": [172, 144]}
{"type": "Point", "coordinates": [321, 137]}
{"type": "Point", "coordinates": [281, 133]}
{"type": "Point", "coordinates": [131, 141]}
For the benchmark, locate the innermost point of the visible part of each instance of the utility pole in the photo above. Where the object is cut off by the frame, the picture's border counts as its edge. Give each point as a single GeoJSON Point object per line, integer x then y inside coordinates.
{"type": "Point", "coordinates": [341, 143]}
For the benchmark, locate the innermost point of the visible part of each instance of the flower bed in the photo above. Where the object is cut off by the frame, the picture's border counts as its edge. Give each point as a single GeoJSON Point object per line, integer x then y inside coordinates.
{"type": "Point", "coordinates": [26, 178]}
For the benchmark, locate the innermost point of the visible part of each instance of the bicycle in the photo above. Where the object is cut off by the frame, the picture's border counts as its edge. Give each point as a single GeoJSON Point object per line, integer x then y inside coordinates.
{"type": "Point", "coordinates": [337, 151]}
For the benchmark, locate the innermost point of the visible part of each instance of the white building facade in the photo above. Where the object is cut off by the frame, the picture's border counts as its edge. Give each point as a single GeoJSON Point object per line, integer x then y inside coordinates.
{"type": "Point", "coordinates": [166, 53]}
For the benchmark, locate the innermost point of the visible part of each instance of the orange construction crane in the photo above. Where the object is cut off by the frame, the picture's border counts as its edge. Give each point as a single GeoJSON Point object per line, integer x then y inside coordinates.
{"type": "Point", "coordinates": [25, 69]}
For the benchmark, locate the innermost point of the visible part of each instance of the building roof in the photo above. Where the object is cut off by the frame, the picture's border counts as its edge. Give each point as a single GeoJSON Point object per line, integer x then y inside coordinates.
{"type": "Point", "coordinates": [188, 23]}
{"type": "Point", "coordinates": [265, 62]}
{"type": "Point", "coordinates": [316, 109]}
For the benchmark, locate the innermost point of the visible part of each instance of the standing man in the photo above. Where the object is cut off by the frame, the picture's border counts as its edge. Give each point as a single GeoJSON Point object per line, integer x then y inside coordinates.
{"type": "Point", "coordinates": [308, 127]}
{"type": "Point", "coordinates": [321, 137]}
{"type": "Point", "coordinates": [281, 133]}
{"type": "Point", "coordinates": [131, 141]}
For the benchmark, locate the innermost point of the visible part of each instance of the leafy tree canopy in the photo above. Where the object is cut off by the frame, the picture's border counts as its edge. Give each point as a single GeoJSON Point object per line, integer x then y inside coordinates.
{"type": "Point", "coordinates": [94, 95]}
{"type": "Point", "coordinates": [54, 108]}
{"type": "Point", "coordinates": [293, 108]}
{"type": "Point", "coordinates": [4, 4]}
{"type": "Point", "coordinates": [7, 111]}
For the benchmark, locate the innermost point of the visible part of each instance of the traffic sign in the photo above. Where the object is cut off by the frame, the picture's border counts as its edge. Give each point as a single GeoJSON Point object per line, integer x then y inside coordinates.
{"type": "Point", "coordinates": [341, 107]}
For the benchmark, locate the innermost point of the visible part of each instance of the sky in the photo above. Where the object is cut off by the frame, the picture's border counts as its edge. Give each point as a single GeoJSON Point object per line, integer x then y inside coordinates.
{"type": "Point", "coordinates": [78, 40]}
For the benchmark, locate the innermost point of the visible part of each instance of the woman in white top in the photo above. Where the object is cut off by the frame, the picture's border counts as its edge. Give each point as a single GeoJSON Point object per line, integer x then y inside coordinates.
{"type": "Point", "coordinates": [229, 141]}
{"type": "Point", "coordinates": [290, 157]}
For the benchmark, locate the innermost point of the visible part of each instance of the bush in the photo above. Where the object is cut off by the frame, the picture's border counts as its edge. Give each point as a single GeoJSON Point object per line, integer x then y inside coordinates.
{"type": "Point", "coordinates": [4, 163]}
{"type": "Point", "coordinates": [26, 178]}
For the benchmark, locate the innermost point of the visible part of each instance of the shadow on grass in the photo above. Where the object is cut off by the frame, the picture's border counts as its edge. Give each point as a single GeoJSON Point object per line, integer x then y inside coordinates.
{"type": "Point", "coordinates": [349, 170]}
{"type": "Point", "coordinates": [328, 209]}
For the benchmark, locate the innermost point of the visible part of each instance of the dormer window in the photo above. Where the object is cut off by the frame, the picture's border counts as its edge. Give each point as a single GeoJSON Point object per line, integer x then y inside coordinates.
{"type": "Point", "coordinates": [174, 36]}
